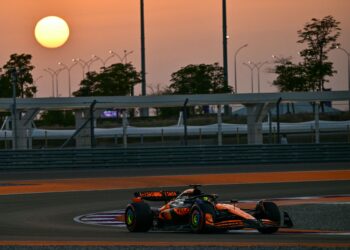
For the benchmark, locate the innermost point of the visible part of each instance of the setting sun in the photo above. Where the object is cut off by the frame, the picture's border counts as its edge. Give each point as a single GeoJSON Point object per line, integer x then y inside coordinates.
{"type": "Point", "coordinates": [51, 32]}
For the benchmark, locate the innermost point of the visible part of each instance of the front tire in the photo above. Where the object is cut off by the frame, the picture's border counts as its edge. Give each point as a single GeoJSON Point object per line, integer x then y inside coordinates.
{"type": "Point", "coordinates": [138, 217]}
{"type": "Point", "coordinates": [198, 217]}
{"type": "Point", "coordinates": [270, 211]}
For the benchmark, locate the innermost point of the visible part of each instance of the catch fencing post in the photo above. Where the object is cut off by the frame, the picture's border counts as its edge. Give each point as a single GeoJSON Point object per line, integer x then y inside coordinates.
{"type": "Point", "coordinates": [6, 139]}
{"type": "Point", "coordinates": [185, 121]}
{"type": "Point", "coordinates": [46, 142]}
{"type": "Point", "coordinates": [92, 120]}
{"type": "Point", "coordinates": [125, 126]}
{"type": "Point", "coordinates": [116, 139]}
{"type": "Point", "coordinates": [219, 126]}
{"type": "Point", "coordinates": [278, 120]}
{"type": "Point", "coordinates": [317, 122]}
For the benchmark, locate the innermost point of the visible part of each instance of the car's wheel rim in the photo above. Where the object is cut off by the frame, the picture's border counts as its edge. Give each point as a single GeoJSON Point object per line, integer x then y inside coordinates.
{"type": "Point", "coordinates": [196, 219]}
{"type": "Point", "coordinates": [130, 217]}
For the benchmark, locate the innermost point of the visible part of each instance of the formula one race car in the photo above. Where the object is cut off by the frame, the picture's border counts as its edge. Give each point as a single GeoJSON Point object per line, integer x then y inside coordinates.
{"type": "Point", "coordinates": [200, 213]}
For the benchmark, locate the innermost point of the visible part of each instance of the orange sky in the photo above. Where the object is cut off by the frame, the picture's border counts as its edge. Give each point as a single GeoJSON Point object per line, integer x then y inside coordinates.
{"type": "Point", "coordinates": [178, 32]}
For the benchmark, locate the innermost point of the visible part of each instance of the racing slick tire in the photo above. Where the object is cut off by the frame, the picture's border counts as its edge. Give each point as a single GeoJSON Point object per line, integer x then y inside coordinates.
{"type": "Point", "coordinates": [138, 217]}
{"type": "Point", "coordinates": [198, 217]}
{"type": "Point", "coordinates": [268, 210]}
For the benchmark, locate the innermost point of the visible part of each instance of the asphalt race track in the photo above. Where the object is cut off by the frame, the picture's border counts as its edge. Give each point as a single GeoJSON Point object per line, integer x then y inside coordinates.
{"type": "Point", "coordinates": [47, 218]}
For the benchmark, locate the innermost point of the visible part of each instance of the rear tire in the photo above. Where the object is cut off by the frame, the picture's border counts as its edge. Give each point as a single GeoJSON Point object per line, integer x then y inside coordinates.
{"type": "Point", "coordinates": [138, 217]}
{"type": "Point", "coordinates": [270, 211]}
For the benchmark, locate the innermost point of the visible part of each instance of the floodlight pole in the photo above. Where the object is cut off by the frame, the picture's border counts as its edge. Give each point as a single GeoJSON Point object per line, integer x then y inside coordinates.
{"type": "Point", "coordinates": [14, 108]}
{"type": "Point", "coordinates": [143, 55]}
{"type": "Point", "coordinates": [235, 64]}
{"type": "Point", "coordinates": [53, 81]}
{"type": "Point", "coordinates": [258, 66]}
{"type": "Point", "coordinates": [224, 40]}
{"type": "Point", "coordinates": [251, 74]}
{"type": "Point", "coordinates": [348, 54]}
{"type": "Point", "coordinates": [65, 66]}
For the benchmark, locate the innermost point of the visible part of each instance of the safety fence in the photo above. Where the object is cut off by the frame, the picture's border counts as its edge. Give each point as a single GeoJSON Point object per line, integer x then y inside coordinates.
{"type": "Point", "coordinates": [302, 132]}
{"type": "Point", "coordinates": [173, 156]}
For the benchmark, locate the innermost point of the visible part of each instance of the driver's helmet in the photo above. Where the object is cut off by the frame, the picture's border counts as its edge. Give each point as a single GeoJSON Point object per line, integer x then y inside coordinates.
{"type": "Point", "coordinates": [192, 192]}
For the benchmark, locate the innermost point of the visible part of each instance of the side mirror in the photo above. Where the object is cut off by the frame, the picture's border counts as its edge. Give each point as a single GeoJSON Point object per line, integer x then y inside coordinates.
{"type": "Point", "coordinates": [234, 202]}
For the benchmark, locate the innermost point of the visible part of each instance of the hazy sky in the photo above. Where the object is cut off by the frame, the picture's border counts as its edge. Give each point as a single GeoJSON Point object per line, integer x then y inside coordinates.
{"type": "Point", "coordinates": [178, 33]}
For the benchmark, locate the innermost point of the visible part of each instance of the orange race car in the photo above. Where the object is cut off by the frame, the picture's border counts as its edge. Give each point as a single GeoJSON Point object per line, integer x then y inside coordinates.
{"type": "Point", "coordinates": [199, 212]}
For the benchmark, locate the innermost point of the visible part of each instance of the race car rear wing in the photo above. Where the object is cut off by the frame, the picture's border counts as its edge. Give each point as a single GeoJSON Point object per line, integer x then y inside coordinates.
{"type": "Point", "coordinates": [157, 195]}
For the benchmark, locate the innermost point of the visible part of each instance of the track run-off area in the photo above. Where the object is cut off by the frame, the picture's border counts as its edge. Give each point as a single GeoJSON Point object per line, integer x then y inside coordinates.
{"type": "Point", "coordinates": [80, 207]}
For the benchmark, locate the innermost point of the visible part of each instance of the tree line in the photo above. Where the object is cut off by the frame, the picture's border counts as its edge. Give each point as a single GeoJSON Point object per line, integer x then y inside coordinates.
{"type": "Point", "coordinates": [319, 35]}
{"type": "Point", "coordinates": [311, 74]}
